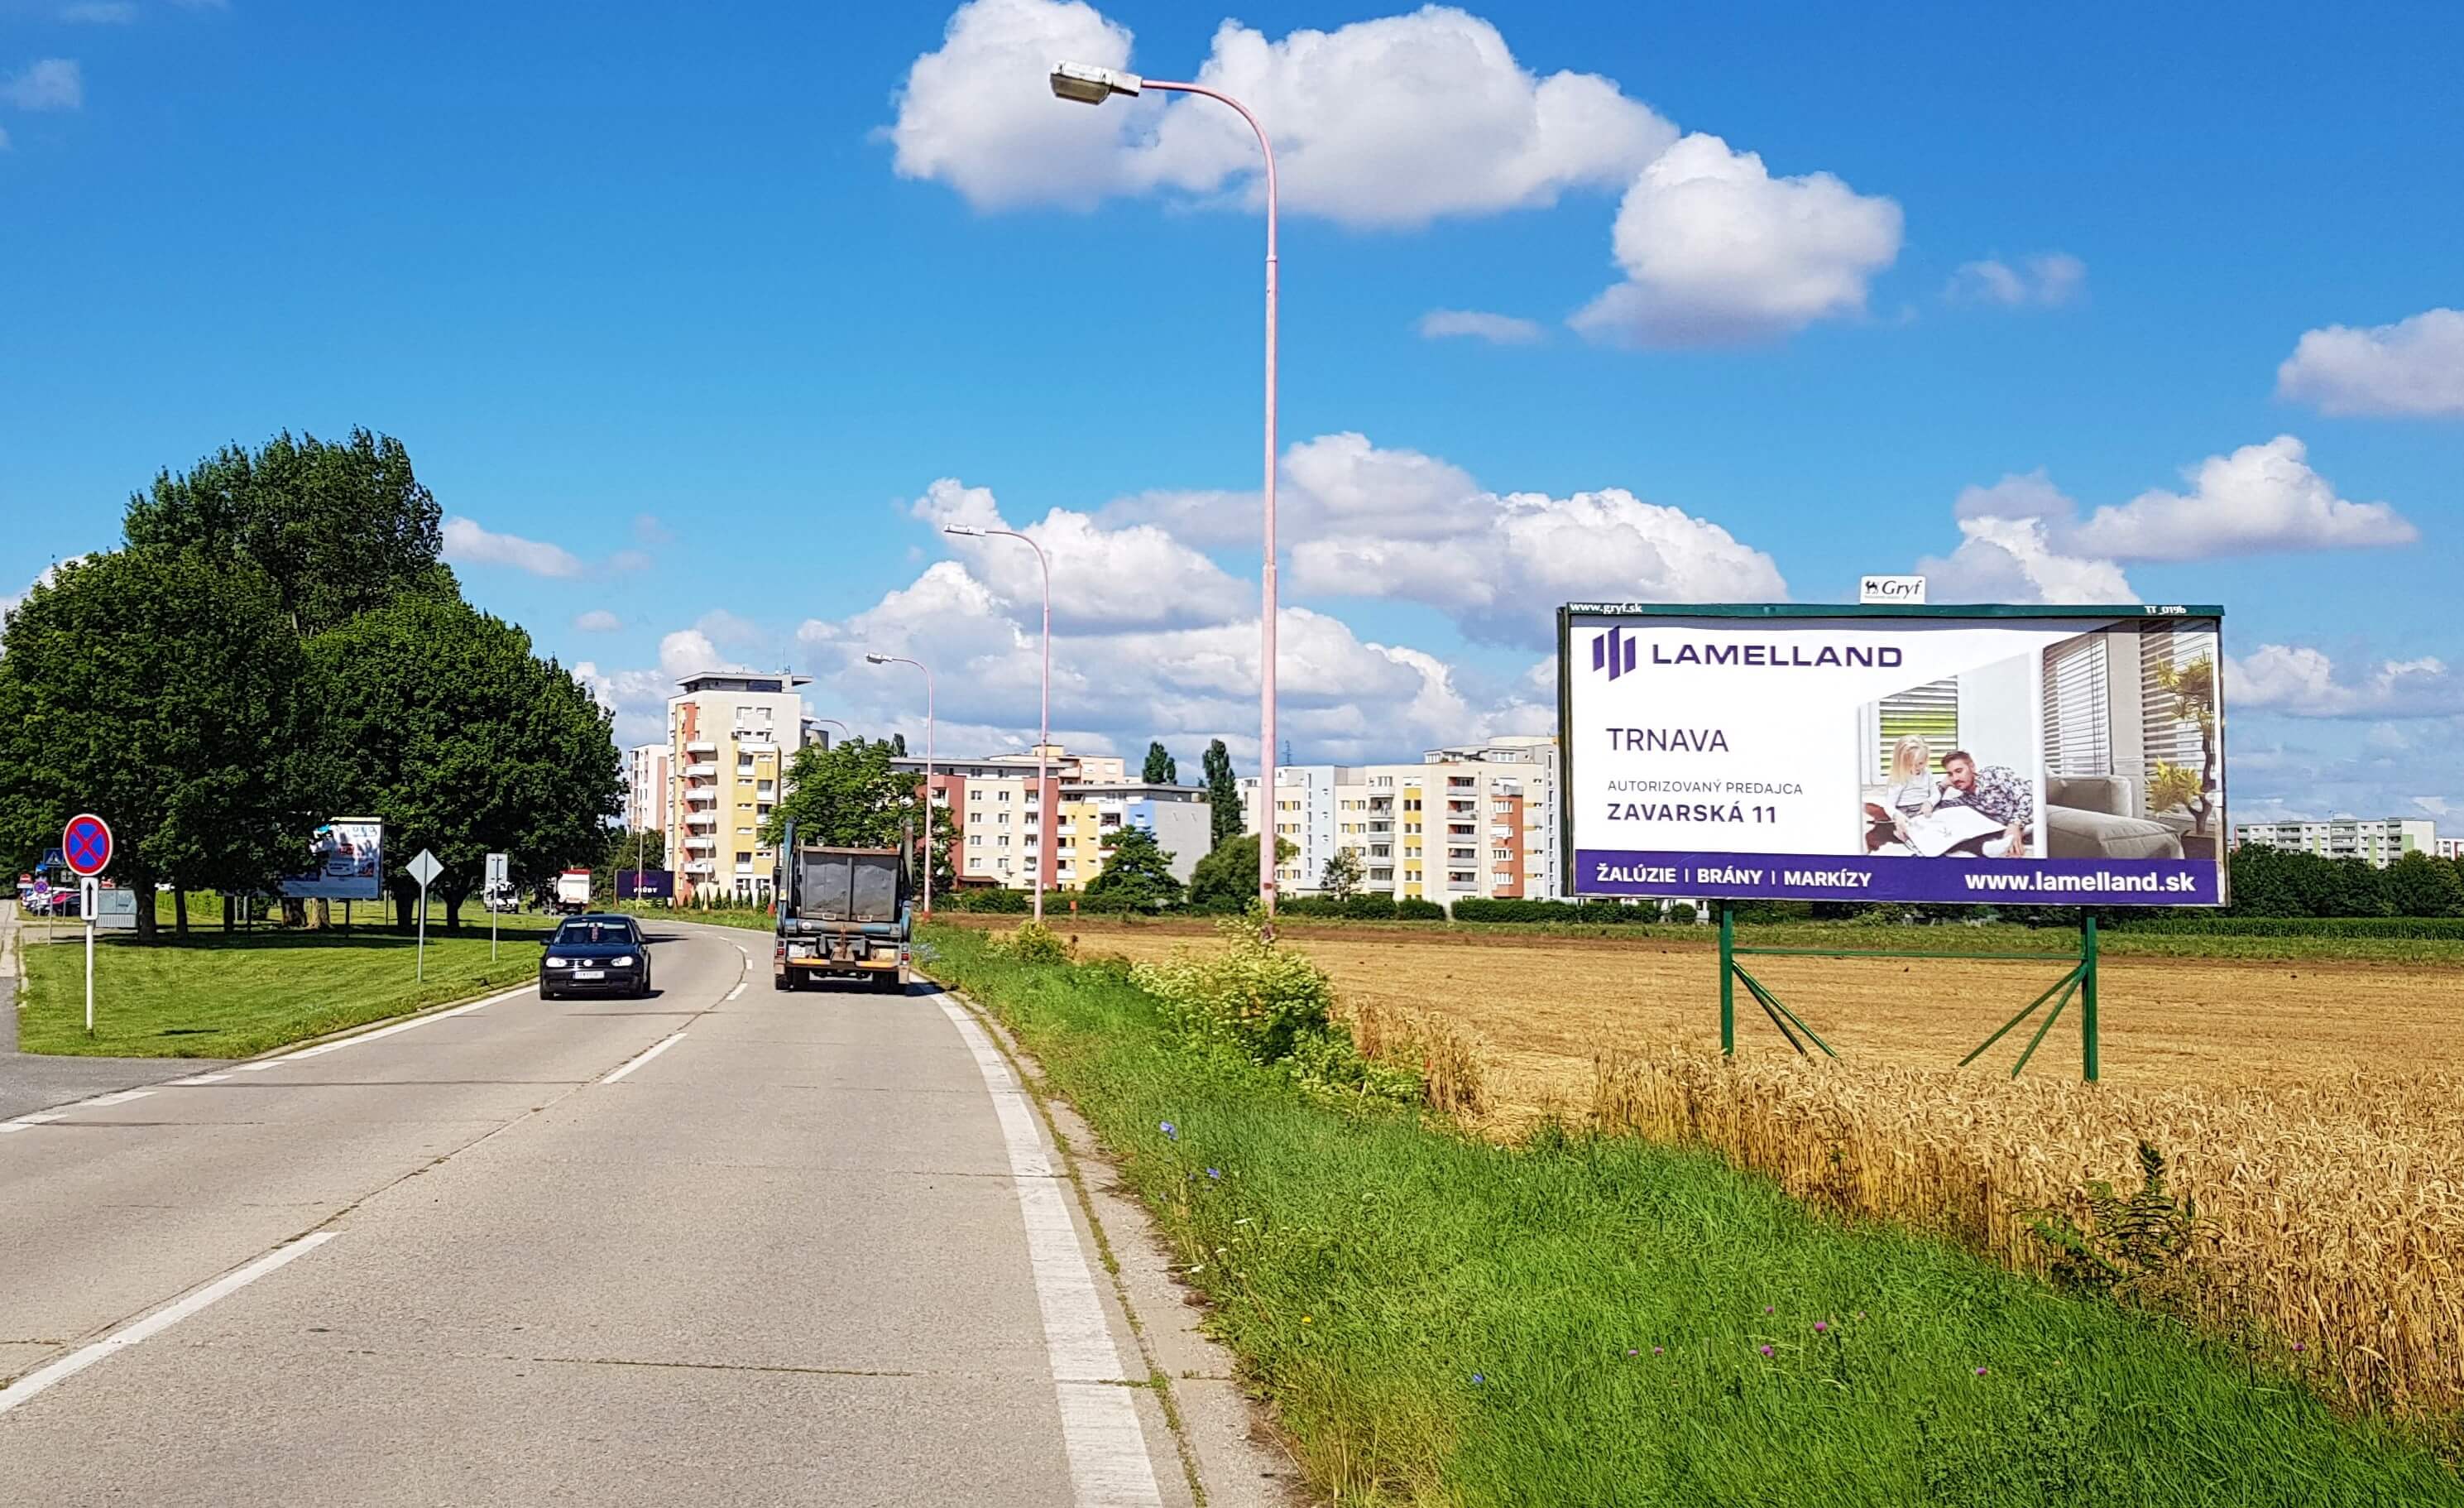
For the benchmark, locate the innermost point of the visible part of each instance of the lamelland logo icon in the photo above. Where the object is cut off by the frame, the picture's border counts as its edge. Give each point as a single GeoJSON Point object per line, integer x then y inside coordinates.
{"type": "Point", "coordinates": [1613, 652]}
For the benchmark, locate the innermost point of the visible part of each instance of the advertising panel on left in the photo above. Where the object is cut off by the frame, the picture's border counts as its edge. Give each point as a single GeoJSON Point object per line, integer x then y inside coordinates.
{"type": "Point", "coordinates": [346, 862]}
{"type": "Point", "coordinates": [1953, 755]}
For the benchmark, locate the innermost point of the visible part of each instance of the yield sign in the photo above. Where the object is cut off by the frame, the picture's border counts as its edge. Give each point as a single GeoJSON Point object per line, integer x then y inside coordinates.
{"type": "Point", "coordinates": [86, 844]}
{"type": "Point", "coordinates": [424, 868]}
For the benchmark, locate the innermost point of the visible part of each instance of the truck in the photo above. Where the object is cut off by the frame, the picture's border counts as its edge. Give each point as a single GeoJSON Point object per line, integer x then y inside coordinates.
{"type": "Point", "coordinates": [573, 892]}
{"type": "Point", "coordinates": [843, 913]}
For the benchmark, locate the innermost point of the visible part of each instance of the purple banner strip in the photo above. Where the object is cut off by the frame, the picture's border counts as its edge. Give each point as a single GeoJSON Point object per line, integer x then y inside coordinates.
{"type": "Point", "coordinates": [1945, 882]}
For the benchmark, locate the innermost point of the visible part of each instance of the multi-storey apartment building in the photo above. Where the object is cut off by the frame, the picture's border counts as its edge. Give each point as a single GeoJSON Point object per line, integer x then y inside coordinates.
{"type": "Point", "coordinates": [1475, 819]}
{"type": "Point", "coordinates": [730, 737]}
{"type": "Point", "coordinates": [2451, 847]}
{"type": "Point", "coordinates": [1003, 837]}
{"type": "Point", "coordinates": [646, 788]}
{"type": "Point", "coordinates": [2380, 840]}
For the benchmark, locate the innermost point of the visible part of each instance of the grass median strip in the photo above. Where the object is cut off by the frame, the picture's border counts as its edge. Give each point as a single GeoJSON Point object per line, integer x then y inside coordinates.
{"type": "Point", "coordinates": [1437, 1319]}
{"type": "Point", "coordinates": [217, 994]}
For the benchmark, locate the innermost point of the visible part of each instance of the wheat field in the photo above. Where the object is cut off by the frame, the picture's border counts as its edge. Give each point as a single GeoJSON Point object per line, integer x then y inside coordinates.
{"type": "Point", "coordinates": [2313, 1110]}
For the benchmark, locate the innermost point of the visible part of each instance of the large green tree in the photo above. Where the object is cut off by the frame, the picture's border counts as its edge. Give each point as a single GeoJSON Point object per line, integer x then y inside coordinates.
{"type": "Point", "coordinates": [439, 719]}
{"type": "Point", "coordinates": [2420, 885]}
{"type": "Point", "coordinates": [1161, 768]}
{"type": "Point", "coordinates": [1229, 875]}
{"type": "Point", "coordinates": [1137, 869]}
{"type": "Point", "coordinates": [1222, 795]}
{"type": "Point", "coordinates": [1341, 875]}
{"type": "Point", "coordinates": [340, 527]}
{"type": "Point", "coordinates": [848, 795]}
{"type": "Point", "coordinates": [161, 689]}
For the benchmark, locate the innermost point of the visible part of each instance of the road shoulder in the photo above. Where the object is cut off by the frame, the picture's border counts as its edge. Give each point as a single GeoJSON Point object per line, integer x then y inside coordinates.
{"type": "Point", "coordinates": [1226, 1447]}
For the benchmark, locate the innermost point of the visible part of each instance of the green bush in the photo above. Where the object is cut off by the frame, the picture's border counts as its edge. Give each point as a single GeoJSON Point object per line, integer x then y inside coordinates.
{"type": "Point", "coordinates": [1250, 995]}
{"type": "Point", "coordinates": [1033, 942]}
{"type": "Point", "coordinates": [1412, 909]}
{"type": "Point", "coordinates": [1683, 911]}
{"type": "Point", "coordinates": [1368, 908]}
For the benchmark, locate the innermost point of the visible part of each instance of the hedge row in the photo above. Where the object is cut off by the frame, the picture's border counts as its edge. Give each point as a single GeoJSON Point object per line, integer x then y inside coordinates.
{"type": "Point", "coordinates": [2409, 929]}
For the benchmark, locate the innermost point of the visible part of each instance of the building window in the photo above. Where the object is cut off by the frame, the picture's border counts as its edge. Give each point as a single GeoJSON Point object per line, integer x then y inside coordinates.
{"type": "Point", "coordinates": [975, 840]}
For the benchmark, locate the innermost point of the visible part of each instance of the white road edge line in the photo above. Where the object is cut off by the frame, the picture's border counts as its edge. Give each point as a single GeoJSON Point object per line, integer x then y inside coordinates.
{"type": "Point", "coordinates": [645, 1056]}
{"type": "Point", "coordinates": [1100, 1432]}
{"type": "Point", "coordinates": [738, 990]}
{"type": "Point", "coordinates": [155, 1323]}
{"type": "Point", "coordinates": [200, 1079]}
{"type": "Point", "coordinates": [46, 1117]}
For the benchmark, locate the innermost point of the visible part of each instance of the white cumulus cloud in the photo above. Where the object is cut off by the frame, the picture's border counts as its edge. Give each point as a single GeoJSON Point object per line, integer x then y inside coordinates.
{"type": "Point", "coordinates": [467, 543]}
{"type": "Point", "coordinates": [1386, 122]}
{"type": "Point", "coordinates": [2413, 368]}
{"type": "Point", "coordinates": [51, 83]}
{"type": "Point", "coordinates": [2044, 281]}
{"type": "Point", "coordinates": [1715, 249]}
{"type": "Point", "coordinates": [1134, 576]}
{"type": "Point", "coordinates": [1497, 329]}
{"type": "Point", "coordinates": [598, 620]}
{"type": "Point", "coordinates": [2260, 498]}
{"type": "Point", "coordinates": [2304, 682]}
{"type": "Point", "coordinates": [2013, 559]}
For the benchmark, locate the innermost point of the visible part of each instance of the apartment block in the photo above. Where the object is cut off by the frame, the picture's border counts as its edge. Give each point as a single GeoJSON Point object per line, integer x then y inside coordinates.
{"type": "Point", "coordinates": [1004, 836]}
{"type": "Point", "coordinates": [1474, 819]}
{"type": "Point", "coordinates": [646, 795]}
{"type": "Point", "coordinates": [2451, 847]}
{"type": "Point", "coordinates": [2382, 841]}
{"type": "Point", "coordinates": [730, 738]}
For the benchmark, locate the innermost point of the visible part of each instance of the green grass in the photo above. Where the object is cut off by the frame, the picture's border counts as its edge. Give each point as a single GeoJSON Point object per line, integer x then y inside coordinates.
{"type": "Point", "coordinates": [750, 918]}
{"type": "Point", "coordinates": [212, 995]}
{"type": "Point", "coordinates": [1437, 1319]}
{"type": "Point", "coordinates": [1953, 937]}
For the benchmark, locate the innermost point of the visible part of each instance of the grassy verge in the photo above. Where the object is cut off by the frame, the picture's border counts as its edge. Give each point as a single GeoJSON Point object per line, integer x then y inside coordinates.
{"type": "Point", "coordinates": [1604, 1321]}
{"type": "Point", "coordinates": [749, 917]}
{"type": "Point", "coordinates": [212, 995]}
{"type": "Point", "coordinates": [1992, 938]}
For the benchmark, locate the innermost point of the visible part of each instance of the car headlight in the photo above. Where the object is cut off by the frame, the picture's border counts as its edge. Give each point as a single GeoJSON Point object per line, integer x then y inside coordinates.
{"type": "Point", "coordinates": [560, 963]}
{"type": "Point", "coordinates": [622, 960]}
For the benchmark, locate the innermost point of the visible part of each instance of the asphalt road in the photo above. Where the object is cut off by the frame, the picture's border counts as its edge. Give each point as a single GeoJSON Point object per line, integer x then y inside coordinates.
{"type": "Point", "coordinates": [809, 1249]}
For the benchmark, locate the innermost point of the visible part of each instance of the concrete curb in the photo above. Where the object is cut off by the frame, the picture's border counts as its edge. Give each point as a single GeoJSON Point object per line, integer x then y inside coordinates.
{"type": "Point", "coordinates": [1229, 1449]}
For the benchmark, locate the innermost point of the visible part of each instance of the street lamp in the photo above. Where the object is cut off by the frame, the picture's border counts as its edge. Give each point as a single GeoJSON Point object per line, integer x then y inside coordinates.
{"type": "Point", "coordinates": [901, 659]}
{"type": "Point", "coordinates": [1044, 732]}
{"type": "Point", "coordinates": [1085, 83]}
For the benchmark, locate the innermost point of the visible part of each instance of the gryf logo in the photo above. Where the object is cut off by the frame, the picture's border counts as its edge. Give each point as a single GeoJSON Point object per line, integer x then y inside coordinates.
{"type": "Point", "coordinates": [1613, 652]}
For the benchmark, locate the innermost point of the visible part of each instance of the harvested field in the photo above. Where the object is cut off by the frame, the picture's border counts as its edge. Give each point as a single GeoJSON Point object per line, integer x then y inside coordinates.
{"type": "Point", "coordinates": [2314, 1109]}
{"type": "Point", "coordinates": [1548, 1008]}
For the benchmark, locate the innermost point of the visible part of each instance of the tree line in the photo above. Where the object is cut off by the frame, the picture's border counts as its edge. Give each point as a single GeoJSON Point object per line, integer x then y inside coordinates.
{"type": "Point", "coordinates": [275, 641]}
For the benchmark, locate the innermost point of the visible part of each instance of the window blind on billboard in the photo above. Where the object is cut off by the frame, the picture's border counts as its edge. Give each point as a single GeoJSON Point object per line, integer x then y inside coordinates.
{"type": "Point", "coordinates": [1930, 712]}
{"type": "Point", "coordinates": [2170, 740]}
{"type": "Point", "coordinates": [2079, 733]}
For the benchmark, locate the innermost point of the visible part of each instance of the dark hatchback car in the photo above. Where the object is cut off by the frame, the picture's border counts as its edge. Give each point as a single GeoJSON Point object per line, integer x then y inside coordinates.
{"type": "Point", "coordinates": [595, 952]}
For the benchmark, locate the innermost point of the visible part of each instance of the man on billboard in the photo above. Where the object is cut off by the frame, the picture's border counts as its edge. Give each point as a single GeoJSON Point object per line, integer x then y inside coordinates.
{"type": "Point", "coordinates": [1997, 791]}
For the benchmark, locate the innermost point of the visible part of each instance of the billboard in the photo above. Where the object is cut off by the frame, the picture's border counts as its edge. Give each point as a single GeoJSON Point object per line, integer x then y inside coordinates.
{"type": "Point", "coordinates": [348, 858]}
{"type": "Point", "coordinates": [1973, 755]}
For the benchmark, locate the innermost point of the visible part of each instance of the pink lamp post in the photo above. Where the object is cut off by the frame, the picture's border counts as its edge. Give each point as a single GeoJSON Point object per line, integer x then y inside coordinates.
{"type": "Point", "coordinates": [1043, 730]}
{"type": "Point", "coordinates": [1087, 84]}
{"type": "Point", "coordinates": [901, 659]}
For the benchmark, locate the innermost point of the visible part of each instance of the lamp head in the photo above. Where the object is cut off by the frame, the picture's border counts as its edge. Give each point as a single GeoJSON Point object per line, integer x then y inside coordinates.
{"type": "Point", "coordinates": [1088, 85]}
{"type": "Point", "coordinates": [965, 530]}
{"type": "Point", "coordinates": [876, 659]}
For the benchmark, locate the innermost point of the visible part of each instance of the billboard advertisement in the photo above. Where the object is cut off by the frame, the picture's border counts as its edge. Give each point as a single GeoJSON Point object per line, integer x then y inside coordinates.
{"type": "Point", "coordinates": [347, 859]}
{"type": "Point", "coordinates": [1969, 755]}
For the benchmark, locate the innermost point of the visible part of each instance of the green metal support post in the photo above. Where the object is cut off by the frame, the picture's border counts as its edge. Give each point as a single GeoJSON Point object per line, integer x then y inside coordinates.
{"type": "Point", "coordinates": [1728, 980]}
{"type": "Point", "coordinates": [2087, 995]}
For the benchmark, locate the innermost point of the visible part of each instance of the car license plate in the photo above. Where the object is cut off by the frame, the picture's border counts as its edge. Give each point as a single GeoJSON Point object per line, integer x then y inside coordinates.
{"type": "Point", "coordinates": [590, 973]}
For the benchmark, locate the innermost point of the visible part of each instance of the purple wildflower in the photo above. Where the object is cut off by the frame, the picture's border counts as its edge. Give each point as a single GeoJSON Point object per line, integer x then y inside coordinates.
{"type": "Point", "coordinates": [1169, 1129]}
{"type": "Point", "coordinates": [1477, 1379]}
{"type": "Point", "coordinates": [1767, 1350]}
{"type": "Point", "coordinates": [1214, 1172]}
{"type": "Point", "coordinates": [1820, 1326]}
{"type": "Point", "coordinates": [1655, 1350]}
{"type": "Point", "coordinates": [1980, 1371]}
{"type": "Point", "coordinates": [1630, 1351]}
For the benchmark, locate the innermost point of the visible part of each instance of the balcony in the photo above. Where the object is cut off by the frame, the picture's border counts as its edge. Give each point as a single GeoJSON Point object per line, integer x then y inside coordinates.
{"type": "Point", "coordinates": [701, 747]}
{"type": "Point", "coordinates": [702, 819]}
{"type": "Point", "coordinates": [698, 844]}
{"type": "Point", "coordinates": [702, 796]}
{"type": "Point", "coordinates": [700, 866]}
{"type": "Point", "coordinates": [702, 769]}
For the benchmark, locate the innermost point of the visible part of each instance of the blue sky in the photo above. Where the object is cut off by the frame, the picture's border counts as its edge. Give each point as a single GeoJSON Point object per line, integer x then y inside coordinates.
{"type": "Point", "coordinates": [683, 315]}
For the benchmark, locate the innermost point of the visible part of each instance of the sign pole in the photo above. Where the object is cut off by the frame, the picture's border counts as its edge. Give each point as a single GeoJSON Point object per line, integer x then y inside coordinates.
{"type": "Point", "coordinates": [1728, 980]}
{"type": "Point", "coordinates": [421, 976]}
{"type": "Point", "coordinates": [2087, 995]}
{"type": "Point", "coordinates": [90, 901]}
